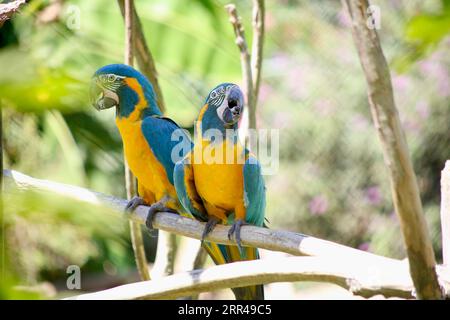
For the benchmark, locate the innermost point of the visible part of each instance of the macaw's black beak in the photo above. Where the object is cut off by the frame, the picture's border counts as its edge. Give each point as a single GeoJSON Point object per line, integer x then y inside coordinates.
{"type": "Point", "coordinates": [235, 106]}
{"type": "Point", "coordinates": [99, 97]}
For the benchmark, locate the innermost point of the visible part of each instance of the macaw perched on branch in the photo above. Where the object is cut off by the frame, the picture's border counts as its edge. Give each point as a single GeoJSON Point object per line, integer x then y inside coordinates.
{"type": "Point", "coordinates": [146, 135]}
{"type": "Point", "coordinates": [220, 181]}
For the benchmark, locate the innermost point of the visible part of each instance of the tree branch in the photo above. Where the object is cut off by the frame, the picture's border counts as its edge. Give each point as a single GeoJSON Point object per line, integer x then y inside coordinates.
{"type": "Point", "coordinates": [357, 279]}
{"type": "Point", "coordinates": [395, 271]}
{"type": "Point", "coordinates": [445, 213]}
{"type": "Point", "coordinates": [238, 28]}
{"type": "Point", "coordinates": [404, 187]}
{"type": "Point", "coordinates": [257, 45]}
{"type": "Point", "coordinates": [143, 55]}
{"type": "Point", "coordinates": [275, 240]}
{"type": "Point", "coordinates": [165, 254]}
{"type": "Point", "coordinates": [8, 9]}
{"type": "Point", "coordinates": [130, 181]}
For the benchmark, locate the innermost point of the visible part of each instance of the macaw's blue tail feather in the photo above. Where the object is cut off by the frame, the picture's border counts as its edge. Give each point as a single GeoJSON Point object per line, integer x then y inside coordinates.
{"type": "Point", "coordinates": [222, 254]}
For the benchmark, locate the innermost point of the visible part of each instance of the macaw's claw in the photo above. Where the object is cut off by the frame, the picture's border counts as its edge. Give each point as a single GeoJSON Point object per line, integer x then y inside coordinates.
{"type": "Point", "coordinates": [209, 226]}
{"type": "Point", "coordinates": [236, 230]}
{"type": "Point", "coordinates": [154, 208]}
{"type": "Point", "coordinates": [133, 204]}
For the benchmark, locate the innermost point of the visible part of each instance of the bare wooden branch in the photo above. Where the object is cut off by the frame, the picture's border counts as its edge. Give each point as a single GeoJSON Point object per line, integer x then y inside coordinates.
{"type": "Point", "coordinates": [166, 242]}
{"type": "Point", "coordinates": [283, 241]}
{"type": "Point", "coordinates": [144, 56]}
{"type": "Point", "coordinates": [360, 281]}
{"type": "Point", "coordinates": [270, 239]}
{"type": "Point", "coordinates": [404, 187]}
{"type": "Point", "coordinates": [238, 28]}
{"type": "Point", "coordinates": [275, 240]}
{"type": "Point", "coordinates": [130, 181]}
{"type": "Point", "coordinates": [445, 213]}
{"type": "Point", "coordinates": [165, 254]}
{"type": "Point", "coordinates": [8, 9]}
{"type": "Point", "coordinates": [257, 45]}
{"type": "Point", "coordinates": [129, 41]}
{"type": "Point", "coordinates": [200, 258]}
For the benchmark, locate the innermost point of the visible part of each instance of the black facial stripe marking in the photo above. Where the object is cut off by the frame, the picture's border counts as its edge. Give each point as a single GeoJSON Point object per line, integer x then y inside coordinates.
{"type": "Point", "coordinates": [111, 82]}
{"type": "Point", "coordinates": [217, 101]}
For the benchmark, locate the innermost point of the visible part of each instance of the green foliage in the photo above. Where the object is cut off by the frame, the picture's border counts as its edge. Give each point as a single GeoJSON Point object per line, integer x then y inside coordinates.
{"type": "Point", "coordinates": [54, 232]}
{"type": "Point", "coordinates": [423, 34]}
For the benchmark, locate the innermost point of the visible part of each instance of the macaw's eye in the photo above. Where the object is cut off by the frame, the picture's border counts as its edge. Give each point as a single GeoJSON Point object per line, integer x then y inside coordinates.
{"type": "Point", "coordinates": [111, 78]}
{"type": "Point", "coordinates": [213, 94]}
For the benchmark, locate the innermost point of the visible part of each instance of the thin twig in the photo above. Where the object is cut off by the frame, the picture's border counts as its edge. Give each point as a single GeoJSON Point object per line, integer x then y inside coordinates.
{"type": "Point", "coordinates": [129, 39]}
{"type": "Point", "coordinates": [200, 258]}
{"type": "Point", "coordinates": [257, 45]}
{"type": "Point", "coordinates": [238, 28]}
{"type": "Point", "coordinates": [445, 213]}
{"type": "Point", "coordinates": [8, 9]}
{"type": "Point", "coordinates": [166, 248]}
{"type": "Point", "coordinates": [144, 56]}
{"type": "Point", "coordinates": [405, 191]}
{"type": "Point", "coordinates": [199, 263]}
{"type": "Point", "coordinates": [165, 254]}
{"type": "Point", "coordinates": [130, 181]}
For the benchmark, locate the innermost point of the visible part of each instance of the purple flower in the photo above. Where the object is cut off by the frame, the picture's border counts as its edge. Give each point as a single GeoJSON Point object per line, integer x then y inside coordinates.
{"type": "Point", "coordinates": [344, 19]}
{"type": "Point", "coordinates": [324, 107]}
{"type": "Point", "coordinates": [318, 205]}
{"type": "Point", "coordinates": [365, 246]}
{"type": "Point", "coordinates": [423, 109]}
{"type": "Point", "coordinates": [359, 122]}
{"type": "Point", "coordinates": [296, 78]}
{"type": "Point", "coordinates": [279, 61]}
{"type": "Point", "coordinates": [432, 67]}
{"type": "Point", "coordinates": [401, 83]}
{"type": "Point", "coordinates": [443, 83]}
{"type": "Point", "coordinates": [281, 120]}
{"type": "Point", "coordinates": [393, 216]}
{"type": "Point", "coordinates": [373, 195]}
{"type": "Point", "coordinates": [264, 92]}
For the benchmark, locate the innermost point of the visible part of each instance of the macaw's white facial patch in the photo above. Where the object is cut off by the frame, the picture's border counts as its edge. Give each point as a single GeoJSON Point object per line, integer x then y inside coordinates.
{"type": "Point", "coordinates": [112, 95]}
{"type": "Point", "coordinates": [221, 109]}
{"type": "Point", "coordinates": [224, 92]}
{"type": "Point", "coordinates": [106, 99]}
{"type": "Point", "coordinates": [230, 109]}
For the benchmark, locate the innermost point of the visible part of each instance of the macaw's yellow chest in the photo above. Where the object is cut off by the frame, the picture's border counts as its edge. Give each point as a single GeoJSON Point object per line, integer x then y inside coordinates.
{"type": "Point", "coordinates": [150, 173]}
{"type": "Point", "coordinates": [218, 174]}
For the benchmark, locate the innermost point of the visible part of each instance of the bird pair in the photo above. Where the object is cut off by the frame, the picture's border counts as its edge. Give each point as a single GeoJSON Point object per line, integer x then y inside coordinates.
{"type": "Point", "coordinates": [199, 180]}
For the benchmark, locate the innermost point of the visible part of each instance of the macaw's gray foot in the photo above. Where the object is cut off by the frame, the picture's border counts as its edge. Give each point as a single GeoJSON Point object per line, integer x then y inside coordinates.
{"type": "Point", "coordinates": [154, 208]}
{"type": "Point", "coordinates": [236, 231]}
{"type": "Point", "coordinates": [133, 204]}
{"type": "Point", "coordinates": [209, 226]}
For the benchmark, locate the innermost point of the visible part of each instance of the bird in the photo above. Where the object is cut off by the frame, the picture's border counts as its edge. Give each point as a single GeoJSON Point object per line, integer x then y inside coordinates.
{"type": "Point", "coordinates": [220, 181]}
{"type": "Point", "coordinates": [147, 136]}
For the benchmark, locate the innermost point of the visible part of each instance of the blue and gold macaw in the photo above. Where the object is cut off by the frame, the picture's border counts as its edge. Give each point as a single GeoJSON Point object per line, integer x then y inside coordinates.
{"type": "Point", "coordinates": [146, 135]}
{"type": "Point", "coordinates": [220, 181]}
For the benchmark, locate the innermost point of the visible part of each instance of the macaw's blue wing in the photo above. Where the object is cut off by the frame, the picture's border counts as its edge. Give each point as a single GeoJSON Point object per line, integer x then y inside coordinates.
{"type": "Point", "coordinates": [168, 141]}
{"type": "Point", "coordinates": [254, 192]}
{"type": "Point", "coordinates": [186, 191]}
